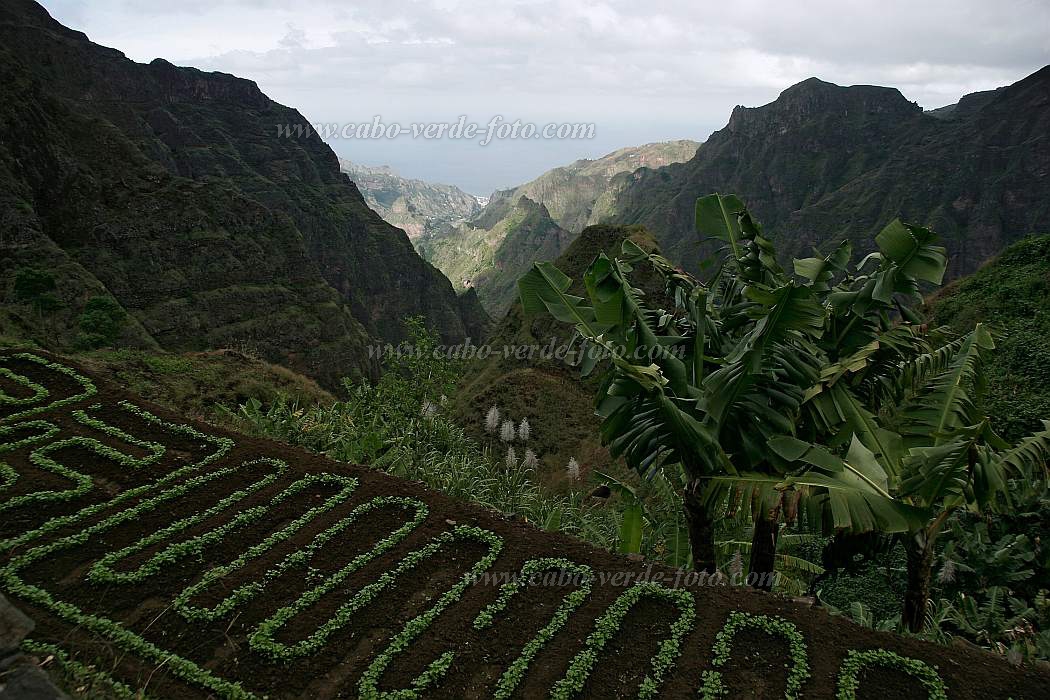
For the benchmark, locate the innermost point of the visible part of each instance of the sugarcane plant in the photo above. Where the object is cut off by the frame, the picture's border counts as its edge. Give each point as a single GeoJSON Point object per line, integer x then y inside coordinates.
{"type": "Point", "coordinates": [818, 392]}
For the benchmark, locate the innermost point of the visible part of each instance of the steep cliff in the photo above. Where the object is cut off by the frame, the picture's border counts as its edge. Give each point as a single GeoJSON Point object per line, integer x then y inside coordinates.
{"type": "Point", "coordinates": [823, 163]}
{"type": "Point", "coordinates": [169, 191]}
{"type": "Point", "coordinates": [419, 208]}
{"type": "Point", "coordinates": [574, 194]}
{"type": "Point", "coordinates": [491, 259]}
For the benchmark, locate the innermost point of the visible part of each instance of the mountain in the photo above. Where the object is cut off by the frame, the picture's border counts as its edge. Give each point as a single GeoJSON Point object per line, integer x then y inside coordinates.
{"type": "Point", "coordinates": [824, 162]}
{"type": "Point", "coordinates": [535, 221]}
{"type": "Point", "coordinates": [419, 208]}
{"type": "Point", "coordinates": [490, 260]}
{"type": "Point", "coordinates": [1011, 292]}
{"type": "Point", "coordinates": [154, 206]}
{"type": "Point", "coordinates": [572, 192]}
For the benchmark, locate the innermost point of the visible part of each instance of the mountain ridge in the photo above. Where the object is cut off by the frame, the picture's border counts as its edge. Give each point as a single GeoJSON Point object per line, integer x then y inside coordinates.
{"type": "Point", "coordinates": [418, 207]}
{"type": "Point", "coordinates": [168, 191]}
{"type": "Point", "coordinates": [845, 160]}
{"type": "Point", "coordinates": [499, 244]}
{"type": "Point", "coordinates": [489, 260]}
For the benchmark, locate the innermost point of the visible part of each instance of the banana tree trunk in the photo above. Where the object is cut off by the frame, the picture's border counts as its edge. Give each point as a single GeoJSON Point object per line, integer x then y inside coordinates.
{"type": "Point", "coordinates": [764, 549]}
{"type": "Point", "coordinates": [701, 526]}
{"type": "Point", "coordinates": [919, 549]}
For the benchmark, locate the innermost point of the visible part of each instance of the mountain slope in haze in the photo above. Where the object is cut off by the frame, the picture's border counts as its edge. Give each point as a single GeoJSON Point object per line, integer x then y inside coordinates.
{"type": "Point", "coordinates": [571, 192]}
{"type": "Point", "coordinates": [823, 163]}
{"type": "Point", "coordinates": [167, 192]}
{"type": "Point", "coordinates": [490, 260]}
{"type": "Point", "coordinates": [418, 208]}
{"type": "Point", "coordinates": [535, 221]}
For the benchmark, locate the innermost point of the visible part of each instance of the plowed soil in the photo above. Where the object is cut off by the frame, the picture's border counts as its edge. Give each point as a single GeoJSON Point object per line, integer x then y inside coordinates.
{"type": "Point", "coordinates": [46, 575]}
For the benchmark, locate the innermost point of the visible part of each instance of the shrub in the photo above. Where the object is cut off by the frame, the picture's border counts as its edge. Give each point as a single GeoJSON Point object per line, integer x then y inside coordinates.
{"type": "Point", "coordinates": [100, 323]}
{"type": "Point", "coordinates": [34, 286]}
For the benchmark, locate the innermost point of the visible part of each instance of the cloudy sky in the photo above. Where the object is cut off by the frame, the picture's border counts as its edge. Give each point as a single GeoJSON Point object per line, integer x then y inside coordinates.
{"type": "Point", "coordinates": [639, 71]}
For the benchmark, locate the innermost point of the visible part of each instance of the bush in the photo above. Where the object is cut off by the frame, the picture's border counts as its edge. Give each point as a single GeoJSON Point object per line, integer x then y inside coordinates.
{"type": "Point", "coordinates": [100, 323]}
{"type": "Point", "coordinates": [34, 286]}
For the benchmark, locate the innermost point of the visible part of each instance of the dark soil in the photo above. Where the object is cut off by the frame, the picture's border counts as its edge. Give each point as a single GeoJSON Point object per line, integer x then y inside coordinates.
{"type": "Point", "coordinates": [756, 668]}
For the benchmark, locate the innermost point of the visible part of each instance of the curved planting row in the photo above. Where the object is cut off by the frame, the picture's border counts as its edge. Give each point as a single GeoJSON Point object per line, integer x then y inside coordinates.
{"type": "Point", "coordinates": [36, 404]}
{"type": "Point", "coordinates": [263, 488]}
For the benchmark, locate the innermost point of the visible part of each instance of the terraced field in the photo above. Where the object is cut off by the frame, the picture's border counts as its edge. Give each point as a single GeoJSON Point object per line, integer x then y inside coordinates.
{"type": "Point", "coordinates": [191, 563]}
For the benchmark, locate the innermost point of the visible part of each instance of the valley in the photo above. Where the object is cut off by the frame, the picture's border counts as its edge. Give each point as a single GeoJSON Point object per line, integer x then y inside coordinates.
{"type": "Point", "coordinates": [250, 446]}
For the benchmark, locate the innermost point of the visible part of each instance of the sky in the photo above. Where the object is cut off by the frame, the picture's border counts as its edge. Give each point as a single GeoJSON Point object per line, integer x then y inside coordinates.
{"type": "Point", "coordinates": [638, 71]}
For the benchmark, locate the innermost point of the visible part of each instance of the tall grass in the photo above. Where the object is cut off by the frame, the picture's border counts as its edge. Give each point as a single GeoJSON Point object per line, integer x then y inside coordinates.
{"type": "Point", "coordinates": [400, 426]}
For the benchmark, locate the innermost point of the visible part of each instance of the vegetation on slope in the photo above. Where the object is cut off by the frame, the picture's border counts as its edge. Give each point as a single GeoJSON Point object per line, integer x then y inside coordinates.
{"type": "Point", "coordinates": [490, 260]}
{"type": "Point", "coordinates": [535, 221]}
{"type": "Point", "coordinates": [287, 531]}
{"type": "Point", "coordinates": [800, 393]}
{"type": "Point", "coordinates": [1012, 294]}
{"type": "Point", "coordinates": [575, 193]}
{"type": "Point", "coordinates": [546, 389]}
{"type": "Point", "coordinates": [198, 384]}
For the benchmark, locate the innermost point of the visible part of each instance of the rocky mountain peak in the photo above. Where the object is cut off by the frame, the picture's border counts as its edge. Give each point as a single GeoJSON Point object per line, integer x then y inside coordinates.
{"type": "Point", "coordinates": [815, 99]}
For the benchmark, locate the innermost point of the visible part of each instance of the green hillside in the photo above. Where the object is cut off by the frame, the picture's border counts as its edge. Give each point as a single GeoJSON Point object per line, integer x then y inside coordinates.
{"type": "Point", "coordinates": [491, 259]}
{"type": "Point", "coordinates": [1011, 292]}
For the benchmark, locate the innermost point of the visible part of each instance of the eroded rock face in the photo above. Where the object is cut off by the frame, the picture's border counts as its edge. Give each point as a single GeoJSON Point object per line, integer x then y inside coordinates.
{"type": "Point", "coordinates": [824, 162]}
{"type": "Point", "coordinates": [171, 190]}
{"type": "Point", "coordinates": [419, 208]}
{"type": "Point", "coordinates": [490, 260]}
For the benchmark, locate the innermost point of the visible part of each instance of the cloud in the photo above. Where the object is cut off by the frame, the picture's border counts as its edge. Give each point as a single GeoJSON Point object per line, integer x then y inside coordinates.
{"type": "Point", "coordinates": [641, 71]}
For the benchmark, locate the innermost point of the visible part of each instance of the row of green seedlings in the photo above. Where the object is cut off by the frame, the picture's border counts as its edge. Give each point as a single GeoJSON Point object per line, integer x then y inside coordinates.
{"type": "Point", "coordinates": [857, 660]}
{"type": "Point", "coordinates": [157, 494]}
{"type": "Point", "coordinates": [40, 393]}
{"type": "Point", "coordinates": [582, 664]}
{"type": "Point", "coordinates": [41, 457]}
{"type": "Point", "coordinates": [263, 640]}
{"type": "Point", "coordinates": [713, 685]}
{"type": "Point", "coordinates": [103, 571]}
{"type": "Point", "coordinates": [219, 448]}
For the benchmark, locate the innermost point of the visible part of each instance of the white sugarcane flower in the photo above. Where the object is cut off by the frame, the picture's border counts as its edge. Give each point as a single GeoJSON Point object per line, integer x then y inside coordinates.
{"type": "Point", "coordinates": [524, 430]}
{"type": "Point", "coordinates": [512, 458]}
{"type": "Point", "coordinates": [573, 469]}
{"type": "Point", "coordinates": [506, 433]}
{"type": "Point", "coordinates": [531, 461]}
{"type": "Point", "coordinates": [492, 420]}
{"type": "Point", "coordinates": [947, 573]}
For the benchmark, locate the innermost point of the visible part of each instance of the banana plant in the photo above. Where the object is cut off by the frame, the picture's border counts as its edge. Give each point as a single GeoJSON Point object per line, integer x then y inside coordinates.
{"type": "Point", "coordinates": [823, 385]}
{"type": "Point", "coordinates": [729, 370]}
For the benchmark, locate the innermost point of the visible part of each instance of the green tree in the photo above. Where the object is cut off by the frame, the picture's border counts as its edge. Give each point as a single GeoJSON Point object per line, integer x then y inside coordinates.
{"type": "Point", "coordinates": [808, 392]}
{"type": "Point", "coordinates": [35, 286]}
{"type": "Point", "coordinates": [100, 323]}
